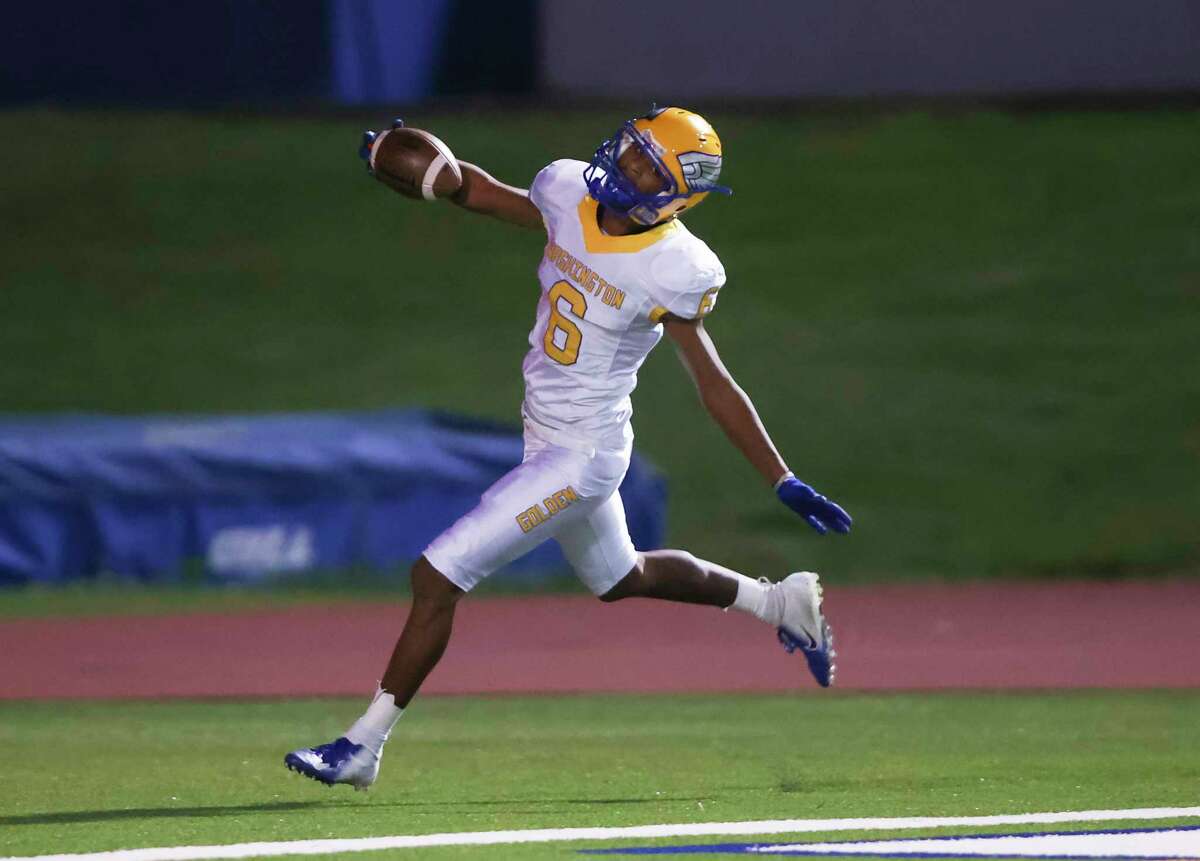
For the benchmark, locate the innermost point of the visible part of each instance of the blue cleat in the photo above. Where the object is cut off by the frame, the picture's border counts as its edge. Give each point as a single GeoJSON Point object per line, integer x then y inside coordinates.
{"type": "Point", "coordinates": [340, 761]}
{"type": "Point", "coordinates": [805, 628]}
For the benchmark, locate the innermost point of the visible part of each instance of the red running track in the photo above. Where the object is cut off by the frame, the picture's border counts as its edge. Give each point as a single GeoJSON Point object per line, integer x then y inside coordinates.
{"type": "Point", "coordinates": [987, 635]}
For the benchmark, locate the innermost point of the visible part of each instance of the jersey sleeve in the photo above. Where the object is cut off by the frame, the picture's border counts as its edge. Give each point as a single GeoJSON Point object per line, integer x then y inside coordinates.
{"type": "Point", "coordinates": [685, 283]}
{"type": "Point", "coordinates": [555, 183]}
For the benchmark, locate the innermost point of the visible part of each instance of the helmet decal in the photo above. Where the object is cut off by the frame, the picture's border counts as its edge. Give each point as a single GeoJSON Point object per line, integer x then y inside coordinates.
{"type": "Point", "coordinates": [700, 170]}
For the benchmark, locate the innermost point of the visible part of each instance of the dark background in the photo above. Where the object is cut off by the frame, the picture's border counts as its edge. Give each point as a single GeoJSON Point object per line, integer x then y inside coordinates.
{"type": "Point", "coordinates": [272, 53]}
{"type": "Point", "coordinates": [963, 249]}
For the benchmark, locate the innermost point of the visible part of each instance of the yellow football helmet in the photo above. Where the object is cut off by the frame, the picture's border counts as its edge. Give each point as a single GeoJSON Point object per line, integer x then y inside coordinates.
{"type": "Point", "coordinates": [685, 151]}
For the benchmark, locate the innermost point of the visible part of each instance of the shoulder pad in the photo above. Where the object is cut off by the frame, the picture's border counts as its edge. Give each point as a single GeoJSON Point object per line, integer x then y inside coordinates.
{"type": "Point", "coordinates": [559, 183]}
{"type": "Point", "coordinates": [686, 280]}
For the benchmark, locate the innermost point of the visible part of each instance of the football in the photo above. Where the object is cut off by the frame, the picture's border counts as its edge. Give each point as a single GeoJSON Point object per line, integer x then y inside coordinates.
{"type": "Point", "coordinates": [415, 163]}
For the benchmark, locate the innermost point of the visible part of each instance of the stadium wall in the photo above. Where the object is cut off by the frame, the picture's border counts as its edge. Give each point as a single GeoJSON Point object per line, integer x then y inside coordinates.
{"type": "Point", "coordinates": [259, 53]}
{"type": "Point", "coordinates": [264, 53]}
{"type": "Point", "coordinates": [868, 48]}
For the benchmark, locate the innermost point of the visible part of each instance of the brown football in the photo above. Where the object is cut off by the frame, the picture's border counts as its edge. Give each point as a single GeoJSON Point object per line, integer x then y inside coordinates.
{"type": "Point", "coordinates": [415, 163]}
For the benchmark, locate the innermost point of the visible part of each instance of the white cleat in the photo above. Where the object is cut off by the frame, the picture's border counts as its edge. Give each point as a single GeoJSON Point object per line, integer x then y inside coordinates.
{"type": "Point", "coordinates": [340, 761]}
{"type": "Point", "coordinates": [804, 627]}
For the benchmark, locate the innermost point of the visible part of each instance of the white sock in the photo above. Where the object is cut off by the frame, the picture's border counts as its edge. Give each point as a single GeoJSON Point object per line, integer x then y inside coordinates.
{"type": "Point", "coordinates": [758, 598]}
{"type": "Point", "coordinates": [373, 728]}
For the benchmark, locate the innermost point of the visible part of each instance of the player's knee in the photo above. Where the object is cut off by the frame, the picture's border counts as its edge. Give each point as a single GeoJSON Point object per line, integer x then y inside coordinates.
{"type": "Point", "coordinates": [431, 588]}
{"type": "Point", "coordinates": [629, 586]}
{"type": "Point", "coordinates": [619, 592]}
{"type": "Point", "coordinates": [663, 562]}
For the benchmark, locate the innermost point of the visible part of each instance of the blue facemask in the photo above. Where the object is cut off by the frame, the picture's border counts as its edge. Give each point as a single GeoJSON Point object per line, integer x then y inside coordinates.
{"type": "Point", "coordinates": [612, 188]}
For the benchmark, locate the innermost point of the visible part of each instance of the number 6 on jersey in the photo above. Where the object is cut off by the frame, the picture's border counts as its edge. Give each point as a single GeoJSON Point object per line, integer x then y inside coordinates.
{"type": "Point", "coordinates": [568, 353]}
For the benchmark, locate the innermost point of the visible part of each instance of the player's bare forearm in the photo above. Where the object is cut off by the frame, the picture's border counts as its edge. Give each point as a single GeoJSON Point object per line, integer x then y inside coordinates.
{"type": "Point", "coordinates": [732, 410]}
{"type": "Point", "coordinates": [483, 193]}
{"type": "Point", "coordinates": [729, 406]}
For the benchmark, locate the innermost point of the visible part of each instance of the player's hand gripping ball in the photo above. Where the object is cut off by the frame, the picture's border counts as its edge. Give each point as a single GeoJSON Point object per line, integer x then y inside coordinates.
{"type": "Point", "coordinates": [412, 162]}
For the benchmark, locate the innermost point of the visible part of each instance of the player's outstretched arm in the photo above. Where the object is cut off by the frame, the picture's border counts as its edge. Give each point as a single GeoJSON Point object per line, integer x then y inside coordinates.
{"type": "Point", "coordinates": [733, 411]}
{"type": "Point", "coordinates": [729, 406]}
{"type": "Point", "coordinates": [483, 193]}
{"type": "Point", "coordinates": [479, 191]}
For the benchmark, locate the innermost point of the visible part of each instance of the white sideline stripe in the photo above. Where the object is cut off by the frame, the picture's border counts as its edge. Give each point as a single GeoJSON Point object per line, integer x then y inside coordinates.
{"type": "Point", "coordinates": [554, 835]}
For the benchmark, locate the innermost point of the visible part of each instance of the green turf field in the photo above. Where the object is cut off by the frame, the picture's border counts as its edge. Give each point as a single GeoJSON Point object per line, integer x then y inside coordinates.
{"type": "Point", "coordinates": [977, 331]}
{"type": "Point", "coordinates": [97, 776]}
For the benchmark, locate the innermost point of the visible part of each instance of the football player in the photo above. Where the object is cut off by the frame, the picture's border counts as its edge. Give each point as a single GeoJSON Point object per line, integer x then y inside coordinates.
{"type": "Point", "coordinates": [619, 270]}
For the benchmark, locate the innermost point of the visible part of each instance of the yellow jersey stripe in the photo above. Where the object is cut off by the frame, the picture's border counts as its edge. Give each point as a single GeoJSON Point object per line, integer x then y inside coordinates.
{"type": "Point", "coordinates": [598, 242]}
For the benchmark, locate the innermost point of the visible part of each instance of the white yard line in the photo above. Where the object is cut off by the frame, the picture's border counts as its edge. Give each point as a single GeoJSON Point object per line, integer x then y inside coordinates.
{"type": "Point", "coordinates": [553, 835]}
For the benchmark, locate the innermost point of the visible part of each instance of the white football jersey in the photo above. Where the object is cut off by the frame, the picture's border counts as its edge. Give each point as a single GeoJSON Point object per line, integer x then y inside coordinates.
{"type": "Point", "coordinates": [602, 301]}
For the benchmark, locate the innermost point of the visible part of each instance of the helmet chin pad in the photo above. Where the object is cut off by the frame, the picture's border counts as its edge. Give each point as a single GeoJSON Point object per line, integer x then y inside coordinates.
{"type": "Point", "coordinates": [643, 214]}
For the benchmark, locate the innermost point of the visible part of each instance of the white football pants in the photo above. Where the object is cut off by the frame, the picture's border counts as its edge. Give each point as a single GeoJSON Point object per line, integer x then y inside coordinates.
{"type": "Point", "coordinates": [569, 494]}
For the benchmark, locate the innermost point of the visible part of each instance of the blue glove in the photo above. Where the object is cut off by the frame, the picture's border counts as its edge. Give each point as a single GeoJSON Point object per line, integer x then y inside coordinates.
{"type": "Point", "coordinates": [820, 513]}
{"type": "Point", "coordinates": [368, 141]}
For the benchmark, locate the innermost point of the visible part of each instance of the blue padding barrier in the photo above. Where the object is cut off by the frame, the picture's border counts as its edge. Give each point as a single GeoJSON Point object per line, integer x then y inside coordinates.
{"type": "Point", "coordinates": [385, 52]}
{"type": "Point", "coordinates": [254, 497]}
